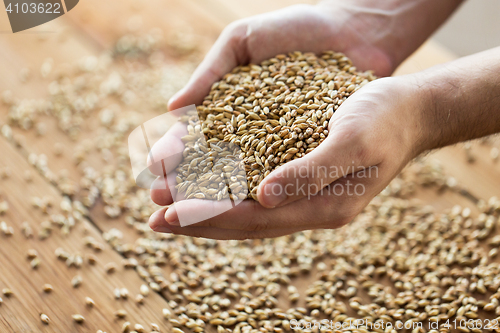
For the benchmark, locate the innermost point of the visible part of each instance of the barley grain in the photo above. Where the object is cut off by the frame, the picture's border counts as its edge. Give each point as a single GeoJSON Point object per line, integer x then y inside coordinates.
{"type": "Point", "coordinates": [44, 318]}
{"type": "Point", "coordinates": [144, 290]}
{"type": "Point", "coordinates": [494, 153]}
{"type": "Point", "coordinates": [110, 267]}
{"type": "Point", "coordinates": [117, 293]}
{"type": "Point", "coordinates": [7, 292]}
{"type": "Point", "coordinates": [78, 318]}
{"type": "Point", "coordinates": [31, 254]}
{"type": "Point", "coordinates": [124, 293]}
{"type": "Point", "coordinates": [76, 281]}
{"type": "Point", "coordinates": [139, 299]}
{"type": "Point", "coordinates": [47, 288]}
{"type": "Point", "coordinates": [120, 314]}
{"type": "Point", "coordinates": [89, 302]}
{"type": "Point", "coordinates": [35, 263]}
{"type": "Point", "coordinates": [166, 314]}
{"type": "Point", "coordinates": [126, 327]}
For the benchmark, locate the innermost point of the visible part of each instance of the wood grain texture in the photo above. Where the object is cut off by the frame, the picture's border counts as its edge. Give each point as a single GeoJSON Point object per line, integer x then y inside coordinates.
{"type": "Point", "coordinates": [481, 178]}
{"type": "Point", "coordinates": [21, 312]}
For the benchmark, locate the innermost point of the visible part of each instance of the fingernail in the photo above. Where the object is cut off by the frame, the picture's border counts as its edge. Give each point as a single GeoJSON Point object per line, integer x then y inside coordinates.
{"type": "Point", "coordinates": [273, 195]}
{"type": "Point", "coordinates": [163, 229]}
{"type": "Point", "coordinates": [171, 216]}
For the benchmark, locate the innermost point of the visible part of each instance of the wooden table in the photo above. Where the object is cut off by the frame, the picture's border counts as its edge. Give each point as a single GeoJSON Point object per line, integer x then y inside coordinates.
{"type": "Point", "coordinates": [92, 27]}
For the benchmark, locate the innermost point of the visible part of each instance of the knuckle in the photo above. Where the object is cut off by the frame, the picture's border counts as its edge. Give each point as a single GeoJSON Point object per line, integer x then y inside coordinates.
{"type": "Point", "coordinates": [331, 213]}
{"type": "Point", "coordinates": [235, 29]}
{"type": "Point", "coordinates": [362, 152]}
{"type": "Point", "coordinates": [337, 213]}
{"type": "Point", "coordinates": [155, 167]}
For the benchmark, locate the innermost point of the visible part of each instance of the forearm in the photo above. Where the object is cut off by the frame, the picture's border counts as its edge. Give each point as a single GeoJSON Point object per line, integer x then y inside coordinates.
{"type": "Point", "coordinates": [398, 27]}
{"type": "Point", "coordinates": [463, 99]}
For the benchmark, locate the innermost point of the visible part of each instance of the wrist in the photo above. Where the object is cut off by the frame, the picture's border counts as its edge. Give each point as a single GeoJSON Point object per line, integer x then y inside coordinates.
{"type": "Point", "coordinates": [418, 107]}
{"type": "Point", "coordinates": [436, 93]}
{"type": "Point", "coordinates": [460, 99]}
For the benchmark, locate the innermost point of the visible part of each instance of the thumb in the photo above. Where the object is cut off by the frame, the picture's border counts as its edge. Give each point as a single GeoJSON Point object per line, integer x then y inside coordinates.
{"type": "Point", "coordinates": [341, 154]}
{"type": "Point", "coordinates": [227, 52]}
{"type": "Point", "coordinates": [348, 148]}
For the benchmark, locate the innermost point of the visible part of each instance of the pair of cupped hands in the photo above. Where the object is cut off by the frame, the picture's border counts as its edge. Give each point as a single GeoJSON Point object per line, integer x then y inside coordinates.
{"type": "Point", "coordinates": [378, 127]}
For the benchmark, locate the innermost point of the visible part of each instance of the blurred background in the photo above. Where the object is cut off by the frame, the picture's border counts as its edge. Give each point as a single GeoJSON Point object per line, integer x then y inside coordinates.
{"type": "Point", "coordinates": [473, 28]}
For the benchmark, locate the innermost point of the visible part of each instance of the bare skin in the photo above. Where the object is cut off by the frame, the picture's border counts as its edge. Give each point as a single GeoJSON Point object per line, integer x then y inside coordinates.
{"type": "Point", "coordinates": [384, 125]}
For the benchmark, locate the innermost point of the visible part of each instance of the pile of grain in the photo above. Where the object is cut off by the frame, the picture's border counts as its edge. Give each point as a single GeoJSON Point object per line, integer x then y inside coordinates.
{"type": "Point", "coordinates": [264, 116]}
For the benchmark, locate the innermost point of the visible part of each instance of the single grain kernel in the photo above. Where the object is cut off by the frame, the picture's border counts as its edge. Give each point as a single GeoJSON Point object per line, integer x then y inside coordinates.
{"type": "Point", "coordinates": [47, 288]}
{"type": "Point", "coordinates": [44, 318]}
{"type": "Point", "coordinates": [76, 281]}
{"type": "Point", "coordinates": [120, 313]}
{"type": "Point", "coordinates": [78, 318]}
{"type": "Point", "coordinates": [89, 302]}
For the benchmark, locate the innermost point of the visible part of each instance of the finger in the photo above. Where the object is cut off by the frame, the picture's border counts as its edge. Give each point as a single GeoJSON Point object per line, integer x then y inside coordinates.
{"type": "Point", "coordinates": [157, 220]}
{"type": "Point", "coordinates": [228, 234]}
{"type": "Point", "coordinates": [187, 212]}
{"type": "Point", "coordinates": [339, 155]}
{"type": "Point", "coordinates": [247, 215]}
{"type": "Point", "coordinates": [227, 52]}
{"type": "Point", "coordinates": [166, 153]}
{"type": "Point", "coordinates": [163, 189]}
{"type": "Point", "coordinates": [161, 197]}
{"type": "Point", "coordinates": [340, 202]}
{"type": "Point", "coordinates": [348, 148]}
{"type": "Point", "coordinates": [330, 208]}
